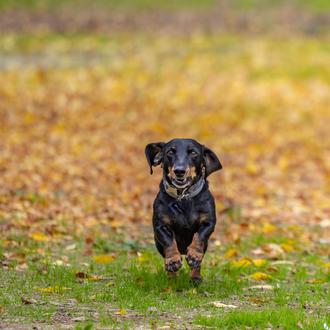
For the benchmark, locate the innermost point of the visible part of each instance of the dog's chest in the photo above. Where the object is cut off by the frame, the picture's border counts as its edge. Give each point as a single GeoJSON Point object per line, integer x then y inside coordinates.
{"type": "Point", "coordinates": [184, 215]}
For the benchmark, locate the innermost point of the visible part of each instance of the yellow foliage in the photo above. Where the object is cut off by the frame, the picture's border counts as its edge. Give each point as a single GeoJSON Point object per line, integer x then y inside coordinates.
{"type": "Point", "coordinates": [40, 237]}
{"type": "Point", "coordinates": [121, 312]}
{"type": "Point", "coordinates": [54, 289]}
{"type": "Point", "coordinates": [242, 263]}
{"type": "Point", "coordinates": [287, 247]}
{"type": "Point", "coordinates": [231, 253]}
{"type": "Point", "coordinates": [259, 262]}
{"type": "Point", "coordinates": [316, 281]}
{"type": "Point", "coordinates": [104, 259]}
{"type": "Point", "coordinates": [259, 276]}
{"type": "Point", "coordinates": [268, 228]}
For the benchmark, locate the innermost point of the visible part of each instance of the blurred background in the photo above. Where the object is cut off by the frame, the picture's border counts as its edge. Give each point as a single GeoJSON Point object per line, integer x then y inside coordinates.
{"type": "Point", "coordinates": [84, 86]}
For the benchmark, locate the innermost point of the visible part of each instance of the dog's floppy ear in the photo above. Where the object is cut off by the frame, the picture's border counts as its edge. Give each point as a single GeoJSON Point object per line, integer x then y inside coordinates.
{"type": "Point", "coordinates": [211, 161]}
{"type": "Point", "coordinates": [154, 154]}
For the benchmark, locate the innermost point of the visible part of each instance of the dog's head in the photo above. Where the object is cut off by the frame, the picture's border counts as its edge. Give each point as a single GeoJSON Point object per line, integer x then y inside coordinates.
{"type": "Point", "coordinates": [183, 160]}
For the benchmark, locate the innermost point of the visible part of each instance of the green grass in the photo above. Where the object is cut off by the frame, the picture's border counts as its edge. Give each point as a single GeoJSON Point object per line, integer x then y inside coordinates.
{"type": "Point", "coordinates": [282, 317]}
{"type": "Point", "coordinates": [120, 4]}
{"type": "Point", "coordinates": [135, 289]}
{"type": "Point", "coordinates": [318, 5]}
{"type": "Point", "coordinates": [267, 59]}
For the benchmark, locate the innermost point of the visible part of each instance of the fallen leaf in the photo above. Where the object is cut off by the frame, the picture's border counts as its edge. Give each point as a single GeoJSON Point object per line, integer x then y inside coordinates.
{"type": "Point", "coordinates": [141, 257]}
{"type": "Point", "coordinates": [87, 277]}
{"type": "Point", "coordinates": [316, 281]}
{"type": "Point", "coordinates": [231, 253]}
{"type": "Point", "coordinates": [222, 305]}
{"type": "Point", "coordinates": [40, 237]}
{"type": "Point", "coordinates": [326, 266]}
{"type": "Point", "coordinates": [81, 275]}
{"type": "Point", "coordinates": [28, 301]}
{"type": "Point", "coordinates": [21, 267]}
{"type": "Point", "coordinates": [242, 263]}
{"type": "Point", "coordinates": [273, 250]}
{"type": "Point", "coordinates": [95, 278]}
{"type": "Point", "coordinates": [262, 287]}
{"type": "Point", "coordinates": [259, 262]}
{"type": "Point", "coordinates": [258, 251]}
{"type": "Point", "coordinates": [71, 247]}
{"type": "Point", "coordinates": [325, 223]}
{"type": "Point", "coordinates": [272, 269]}
{"type": "Point", "coordinates": [54, 289]}
{"type": "Point", "coordinates": [58, 263]}
{"type": "Point", "coordinates": [268, 228]}
{"type": "Point", "coordinates": [287, 247]}
{"type": "Point", "coordinates": [121, 312]}
{"type": "Point", "coordinates": [300, 325]}
{"type": "Point", "coordinates": [252, 167]}
{"type": "Point", "coordinates": [104, 259]}
{"type": "Point", "coordinates": [116, 224]}
{"type": "Point", "coordinates": [81, 319]}
{"type": "Point", "coordinates": [259, 276]}
{"type": "Point", "coordinates": [283, 262]}
{"type": "Point", "coordinates": [256, 300]}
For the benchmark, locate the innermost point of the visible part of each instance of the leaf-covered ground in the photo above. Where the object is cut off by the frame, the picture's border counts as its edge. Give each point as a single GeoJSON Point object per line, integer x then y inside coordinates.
{"type": "Point", "coordinates": [76, 245]}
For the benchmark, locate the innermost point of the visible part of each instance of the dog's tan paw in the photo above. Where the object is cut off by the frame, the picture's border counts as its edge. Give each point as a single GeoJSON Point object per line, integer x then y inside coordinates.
{"type": "Point", "coordinates": [194, 258]}
{"type": "Point", "coordinates": [173, 264]}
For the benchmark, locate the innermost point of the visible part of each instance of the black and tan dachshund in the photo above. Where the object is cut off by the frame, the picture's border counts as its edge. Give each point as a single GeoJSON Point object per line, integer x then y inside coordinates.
{"type": "Point", "coordinates": [184, 211]}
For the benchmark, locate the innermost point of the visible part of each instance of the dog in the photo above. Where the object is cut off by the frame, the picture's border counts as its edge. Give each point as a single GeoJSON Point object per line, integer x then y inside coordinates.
{"type": "Point", "coordinates": [184, 213]}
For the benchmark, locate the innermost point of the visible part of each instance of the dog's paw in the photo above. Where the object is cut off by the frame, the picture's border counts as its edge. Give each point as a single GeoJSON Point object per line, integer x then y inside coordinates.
{"type": "Point", "coordinates": [194, 258]}
{"type": "Point", "coordinates": [195, 276]}
{"type": "Point", "coordinates": [197, 280]}
{"type": "Point", "coordinates": [173, 264]}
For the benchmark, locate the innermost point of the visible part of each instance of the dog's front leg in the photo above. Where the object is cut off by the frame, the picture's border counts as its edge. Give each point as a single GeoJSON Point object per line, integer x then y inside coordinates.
{"type": "Point", "coordinates": [197, 248]}
{"type": "Point", "coordinates": [165, 237]}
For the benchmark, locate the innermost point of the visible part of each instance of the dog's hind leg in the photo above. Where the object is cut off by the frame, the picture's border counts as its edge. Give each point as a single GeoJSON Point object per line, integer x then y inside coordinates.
{"type": "Point", "coordinates": [196, 275]}
{"type": "Point", "coordinates": [197, 248]}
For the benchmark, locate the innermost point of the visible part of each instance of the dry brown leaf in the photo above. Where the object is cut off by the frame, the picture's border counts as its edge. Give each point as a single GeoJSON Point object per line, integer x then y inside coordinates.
{"type": "Point", "coordinates": [86, 277]}
{"type": "Point", "coordinates": [273, 250]}
{"type": "Point", "coordinates": [28, 301]}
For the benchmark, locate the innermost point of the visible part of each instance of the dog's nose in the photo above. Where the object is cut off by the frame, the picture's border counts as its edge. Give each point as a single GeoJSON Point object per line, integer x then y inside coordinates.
{"type": "Point", "coordinates": [180, 171]}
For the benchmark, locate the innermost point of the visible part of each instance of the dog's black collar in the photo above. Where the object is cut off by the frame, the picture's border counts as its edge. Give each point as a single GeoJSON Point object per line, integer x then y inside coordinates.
{"type": "Point", "coordinates": [186, 193]}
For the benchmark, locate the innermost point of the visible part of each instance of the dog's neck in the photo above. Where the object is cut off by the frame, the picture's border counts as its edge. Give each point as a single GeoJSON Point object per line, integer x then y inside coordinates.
{"type": "Point", "coordinates": [184, 193]}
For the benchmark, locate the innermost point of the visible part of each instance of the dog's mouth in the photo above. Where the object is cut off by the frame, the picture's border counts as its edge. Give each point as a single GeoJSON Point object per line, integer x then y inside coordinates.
{"type": "Point", "coordinates": [181, 182]}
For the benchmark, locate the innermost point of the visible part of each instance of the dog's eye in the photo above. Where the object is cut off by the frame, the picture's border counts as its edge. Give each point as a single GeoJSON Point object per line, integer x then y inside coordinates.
{"type": "Point", "coordinates": [193, 153]}
{"type": "Point", "coordinates": [171, 152]}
